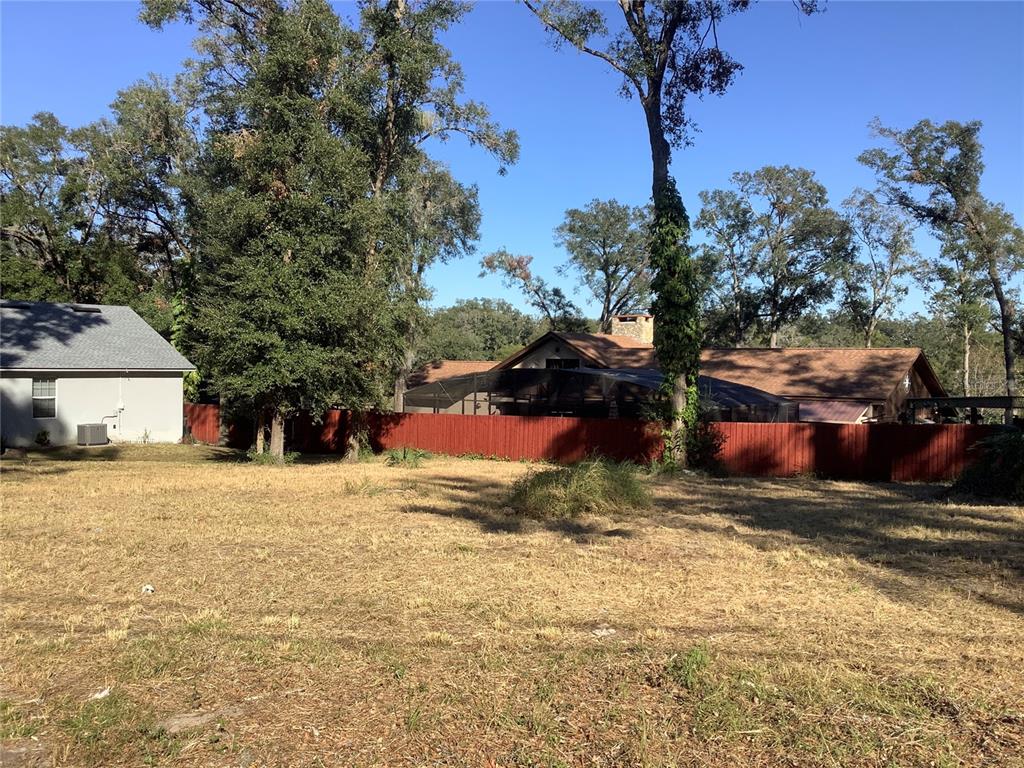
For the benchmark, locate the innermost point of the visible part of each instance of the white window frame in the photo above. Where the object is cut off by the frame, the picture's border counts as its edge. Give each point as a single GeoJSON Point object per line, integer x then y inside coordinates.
{"type": "Point", "coordinates": [42, 397]}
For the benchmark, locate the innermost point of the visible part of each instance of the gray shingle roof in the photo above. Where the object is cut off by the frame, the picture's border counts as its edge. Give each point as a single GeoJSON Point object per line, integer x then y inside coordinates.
{"type": "Point", "coordinates": [39, 336]}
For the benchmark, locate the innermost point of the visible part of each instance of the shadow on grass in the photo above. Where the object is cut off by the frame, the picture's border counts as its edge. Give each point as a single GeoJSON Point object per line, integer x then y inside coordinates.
{"type": "Point", "coordinates": [13, 470]}
{"type": "Point", "coordinates": [907, 530]}
{"type": "Point", "coordinates": [913, 539]}
{"type": "Point", "coordinates": [237, 456]}
{"type": "Point", "coordinates": [484, 503]}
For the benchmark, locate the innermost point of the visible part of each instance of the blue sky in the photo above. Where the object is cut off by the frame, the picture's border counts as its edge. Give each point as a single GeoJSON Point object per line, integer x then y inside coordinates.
{"type": "Point", "coordinates": [809, 88]}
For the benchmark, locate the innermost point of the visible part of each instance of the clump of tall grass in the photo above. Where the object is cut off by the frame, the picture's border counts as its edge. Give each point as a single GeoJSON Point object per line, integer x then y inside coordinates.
{"type": "Point", "coordinates": [591, 487]}
{"type": "Point", "coordinates": [406, 457]}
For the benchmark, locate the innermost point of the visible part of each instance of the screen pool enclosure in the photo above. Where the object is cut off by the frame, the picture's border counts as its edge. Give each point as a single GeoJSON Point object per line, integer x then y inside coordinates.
{"type": "Point", "coordinates": [591, 392]}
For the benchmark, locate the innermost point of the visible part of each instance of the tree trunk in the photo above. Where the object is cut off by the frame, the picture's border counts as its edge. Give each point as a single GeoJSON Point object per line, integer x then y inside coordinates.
{"type": "Point", "coordinates": [660, 157]}
{"type": "Point", "coordinates": [277, 435]}
{"type": "Point", "coordinates": [661, 152]}
{"type": "Point", "coordinates": [400, 380]}
{"type": "Point", "coordinates": [773, 339]}
{"type": "Point", "coordinates": [967, 361]}
{"type": "Point", "coordinates": [261, 430]}
{"type": "Point", "coordinates": [354, 426]}
{"type": "Point", "coordinates": [1006, 328]}
{"type": "Point", "coordinates": [678, 446]}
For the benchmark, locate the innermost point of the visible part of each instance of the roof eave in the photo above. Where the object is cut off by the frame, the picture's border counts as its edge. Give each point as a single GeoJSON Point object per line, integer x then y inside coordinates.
{"type": "Point", "coordinates": [136, 369]}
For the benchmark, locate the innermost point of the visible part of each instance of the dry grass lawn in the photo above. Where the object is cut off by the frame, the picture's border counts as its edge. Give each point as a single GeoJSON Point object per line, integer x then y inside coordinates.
{"type": "Point", "coordinates": [366, 615]}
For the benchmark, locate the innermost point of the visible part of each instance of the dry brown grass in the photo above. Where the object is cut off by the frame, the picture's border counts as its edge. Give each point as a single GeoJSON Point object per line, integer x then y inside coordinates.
{"type": "Point", "coordinates": [368, 615]}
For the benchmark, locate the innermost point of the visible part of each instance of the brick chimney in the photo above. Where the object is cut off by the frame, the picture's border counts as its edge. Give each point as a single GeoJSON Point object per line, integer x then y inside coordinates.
{"type": "Point", "coordinates": [639, 327]}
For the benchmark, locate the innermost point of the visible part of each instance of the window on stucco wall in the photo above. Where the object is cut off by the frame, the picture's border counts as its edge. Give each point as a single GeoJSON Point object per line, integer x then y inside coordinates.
{"type": "Point", "coordinates": [44, 398]}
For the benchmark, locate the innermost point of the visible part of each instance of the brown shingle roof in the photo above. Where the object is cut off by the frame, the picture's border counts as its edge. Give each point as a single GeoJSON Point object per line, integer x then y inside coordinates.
{"type": "Point", "coordinates": [613, 351]}
{"type": "Point", "coordinates": [796, 372]}
{"type": "Point", "coordinates": [446, 369]}
{"type": "Point", "coordinates": [834, 374]}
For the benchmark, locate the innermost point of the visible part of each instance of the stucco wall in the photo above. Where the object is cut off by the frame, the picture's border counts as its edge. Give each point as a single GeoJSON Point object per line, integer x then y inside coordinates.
{"type": "Point", "coordinates": [151, 406]}
{"type": "Point", "coordinates": [552, 348]}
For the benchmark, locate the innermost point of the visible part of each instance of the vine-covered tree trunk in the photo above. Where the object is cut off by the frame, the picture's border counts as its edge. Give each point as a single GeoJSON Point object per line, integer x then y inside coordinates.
{"type": "Point", "coordinates": [676, 306]}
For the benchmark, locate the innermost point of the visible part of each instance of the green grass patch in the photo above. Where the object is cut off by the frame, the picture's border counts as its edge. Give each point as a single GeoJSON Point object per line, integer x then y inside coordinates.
{"type": "Point", "coordinates": [846, 718]}
{"type": "Point", "coordinates": [591, 487]}
{"type": "Point", "coordinates": [13, 723]}
{"type": "Point", "coordinates": [151, 656]}
{"type": "Point", "coordinates": [100, 729]}
{"type": "Point", "coordinates": [687, 669]}
{"type": "Point", "coordinates": [364, 487]}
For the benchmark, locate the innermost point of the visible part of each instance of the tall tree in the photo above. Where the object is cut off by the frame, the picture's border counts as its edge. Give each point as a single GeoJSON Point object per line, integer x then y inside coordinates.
{"type": "Point", "coordinates": [934, 173]}
{"type": "Point", "coordinates": [145, 156]}
{"type": "Point", "coordinates": [408, 92]}
{"type": "Point", "coordinates": [285, 314]}
{"type": "Point", "coordinates": [958, 296]}
{"type": "Point", "coordinates": [726, 264]}
{"type": "Point", "coordinates": [790, 246]}
{"type": "Point", "coordinates": [50, 213]}
{"type": "Point", "coordinates": [344, 131]}
{"type": "Point", "coordinates": [666, 51]}
{"type": "Point", "coordinates": [608, 250]}
{"type": "Point", "coordinates": [551, 302]}
{"type": "Point", "coordinates": [876, 281]}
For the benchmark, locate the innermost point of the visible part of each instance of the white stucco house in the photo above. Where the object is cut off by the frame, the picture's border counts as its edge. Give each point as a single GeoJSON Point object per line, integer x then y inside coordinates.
{"type": "Point", "coordinates": [64, 365]}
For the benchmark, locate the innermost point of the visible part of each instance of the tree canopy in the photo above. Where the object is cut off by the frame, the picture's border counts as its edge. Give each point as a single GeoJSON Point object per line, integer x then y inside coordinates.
{"type": "Point", "coordinates": [557, 309]}
{"type": "Point", "coordinates": [777, 249]}
{"type": "Point", "coordinates": [477, 329]}
{"type": "Point", "coordinates": [934, 173]}
{"type": "Point", "coordinates": [875, 282]}
{"type": "Point", "coordinates": [608, 245]}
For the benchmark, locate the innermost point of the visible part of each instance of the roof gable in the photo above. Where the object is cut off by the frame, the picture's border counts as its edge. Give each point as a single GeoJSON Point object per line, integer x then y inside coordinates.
{"type": "Point", "coordinates": [41, 336]}
{"type": "Point", "coordinates": [599, 349]}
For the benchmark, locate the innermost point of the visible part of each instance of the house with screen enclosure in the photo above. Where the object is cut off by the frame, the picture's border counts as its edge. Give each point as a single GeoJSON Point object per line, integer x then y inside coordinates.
{"type": "Point", "coordinates": [617, 375]}
{"type": "Point", "coordinates": [88, 374]}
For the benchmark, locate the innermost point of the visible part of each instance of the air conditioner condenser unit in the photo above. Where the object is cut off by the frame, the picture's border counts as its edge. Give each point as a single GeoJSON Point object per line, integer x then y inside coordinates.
{"type": "Point", "coordinates": [92, 434]}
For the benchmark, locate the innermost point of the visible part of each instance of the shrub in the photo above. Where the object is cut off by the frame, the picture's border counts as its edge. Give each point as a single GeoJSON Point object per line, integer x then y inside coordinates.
{"type": "Point", "coordinates": [703, 441]}
{"type": "Point", "coordinates": [594, 486]}
{"type": "Point", "coordinates": [406, 457]}
{"type": "Point", "coordinates": [999, 470]}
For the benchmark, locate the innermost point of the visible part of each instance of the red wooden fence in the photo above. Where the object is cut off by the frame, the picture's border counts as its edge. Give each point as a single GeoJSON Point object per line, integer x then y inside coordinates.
{"type": "Point", "coordinates": [204, 422]}
{"type": "Point", "coordinates": [900, 452]}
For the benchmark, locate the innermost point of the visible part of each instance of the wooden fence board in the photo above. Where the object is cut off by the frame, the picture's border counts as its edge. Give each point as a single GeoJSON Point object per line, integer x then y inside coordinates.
{"type": "Point", "coordinates": [900, 452]}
